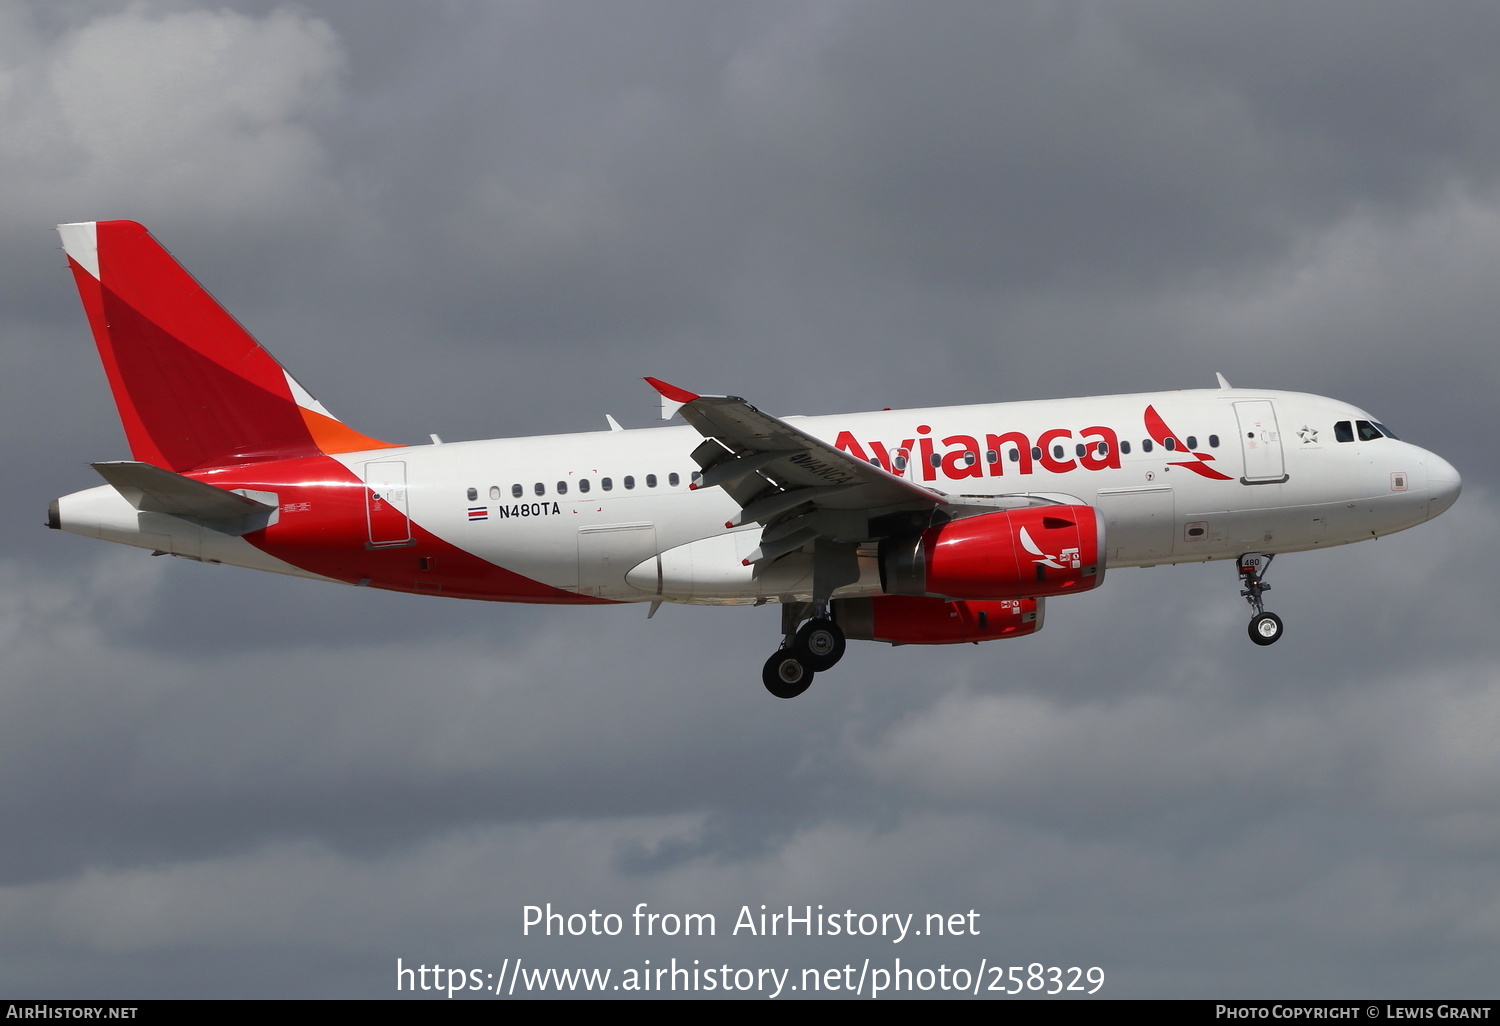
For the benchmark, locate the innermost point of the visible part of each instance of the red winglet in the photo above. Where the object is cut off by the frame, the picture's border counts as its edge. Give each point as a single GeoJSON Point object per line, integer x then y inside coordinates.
{"type": "Point", "coordinates": [672, 392]}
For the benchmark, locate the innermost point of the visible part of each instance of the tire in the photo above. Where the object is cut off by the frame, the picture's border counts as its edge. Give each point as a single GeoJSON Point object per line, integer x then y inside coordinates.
{"type": "Point", "coordinates": [1265, 629]}
{"type": "Point", "coordinates": [820, 644]}
{"type": "Point", "coordinates": [786, 675]}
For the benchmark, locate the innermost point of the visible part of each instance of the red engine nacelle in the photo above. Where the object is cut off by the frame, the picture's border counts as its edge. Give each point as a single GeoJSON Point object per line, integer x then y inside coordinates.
{"type": "Point", "coordinates": [908, 620]}
{"type": "Point", "coordinates": [1016, 553]}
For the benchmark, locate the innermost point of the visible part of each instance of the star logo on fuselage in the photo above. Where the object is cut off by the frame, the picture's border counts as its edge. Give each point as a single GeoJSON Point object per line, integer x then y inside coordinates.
{"type": "Point", "coordinates": [1309, 435]}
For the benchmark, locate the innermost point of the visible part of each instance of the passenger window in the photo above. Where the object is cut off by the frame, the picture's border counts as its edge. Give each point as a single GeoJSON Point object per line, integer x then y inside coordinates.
{"type": "Point", "coordinates": [650, 480]}
{"type": "Point", "coordinates": [1343, 431]}
{"type": "Point", "coordinates": [583, 484]}
{"type": "Point", "coordinates": [562, 488]}
{"type": "Point", "coordinates": [1367, 431]}
{"type": "Point", "coordinates": [672, 479]}
{"type": "Point", "coordinates": [697, 476]}
{"type": "Point", "coordinates": [1192, 441]}
{"type": "Point", "coordinates": [473, 494]}
{"type": "Point", "coordinates": [1079, 449]}
{"type": "Point", "coordinates": [541, 489]}
{"type": "Point", "coordinates": [1125, 448]}
{"type": "Point", "coordinates": [1170, 444]}
{"type": "Point", "coordinates": [629, 481]}
{"type": "Point", "coordinates": [1102, 447]}
{"type": "Point", "coordinates": [1057, 452]}
{"type": "Point", "coordinates": [991, 456]}
{"type": "Point", "coordinates": [1015, 455]}
{"type": "Point", "coordinates": [517, 491]}
{"type": "Point", "coordinates": [1036, 452]}
{"type": "Point", "coordinates": [899, 463]}
{"type": "Point", "coordinates": [1213, 441]}
{"type": "Point", "coordinates": [1145, 445]}
{"type": "Point", "coordinates": [494, 491]}
{"type": "Point", "coordinates": [606, 483]}
{"type": "Point", "coordinates": [935, 460]}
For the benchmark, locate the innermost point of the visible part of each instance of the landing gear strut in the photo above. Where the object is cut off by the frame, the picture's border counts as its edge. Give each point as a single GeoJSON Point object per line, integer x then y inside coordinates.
{"type": "Point", "coordinates": [1265, 628]}
{"type": "Point", "coordinates": [810, 649]}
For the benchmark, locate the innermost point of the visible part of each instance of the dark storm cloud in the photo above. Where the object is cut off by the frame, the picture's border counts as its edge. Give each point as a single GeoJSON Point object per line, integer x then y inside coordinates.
{"type": "Point", "coordinates": [486, 219]}
{"type": "Point", "coordinates": [939, 187]}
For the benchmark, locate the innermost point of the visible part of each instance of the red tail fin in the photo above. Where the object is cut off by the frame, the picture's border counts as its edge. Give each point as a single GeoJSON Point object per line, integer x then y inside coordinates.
{"type": "Point", "coordinates": [194, 389]}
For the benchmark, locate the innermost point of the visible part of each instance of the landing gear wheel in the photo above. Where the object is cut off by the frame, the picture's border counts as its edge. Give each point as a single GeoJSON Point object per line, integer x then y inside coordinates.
{"type": "Point", "coordinates": [786, 674]}
{"type": "Point", "coordinates": [1265, 629]}
{"type": "Point", "coordinates": [820, 644]}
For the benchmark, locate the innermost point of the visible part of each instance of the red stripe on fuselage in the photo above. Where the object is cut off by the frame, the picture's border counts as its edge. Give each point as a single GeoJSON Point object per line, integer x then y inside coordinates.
{"type": "Point", "coordinates": [322, 529]}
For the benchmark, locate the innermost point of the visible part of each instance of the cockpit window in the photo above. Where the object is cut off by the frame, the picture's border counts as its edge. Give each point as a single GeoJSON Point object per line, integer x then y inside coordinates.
{"type": "Point", "coordinates": [1343, 431]}
{"type": "Point", "coordinates": [1367, 432]}
{"type": "Point", "coordinates": [1387, 431]}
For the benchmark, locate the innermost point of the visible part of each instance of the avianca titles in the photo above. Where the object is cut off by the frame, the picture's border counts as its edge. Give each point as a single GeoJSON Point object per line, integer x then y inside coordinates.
{"type": "Point", "coordinates": [927, 527]}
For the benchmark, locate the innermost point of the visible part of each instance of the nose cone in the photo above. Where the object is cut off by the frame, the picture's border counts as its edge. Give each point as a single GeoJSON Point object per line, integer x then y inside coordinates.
{"type": "Point", "coordinates": [1443, 485]}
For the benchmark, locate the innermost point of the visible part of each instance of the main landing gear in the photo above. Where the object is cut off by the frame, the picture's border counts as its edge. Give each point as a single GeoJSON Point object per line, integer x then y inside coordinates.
{"type": "Point", "coordinates": [806, 650]}
{"type": "Point", "coordinates": [1265, 628]}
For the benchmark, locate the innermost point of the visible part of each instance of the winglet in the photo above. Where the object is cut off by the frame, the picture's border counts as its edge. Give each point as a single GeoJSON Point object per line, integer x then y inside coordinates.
{"type": "Point", "coordinates": [1223, 381]}
{"type": "Point", "coordinates": [672, 397]}
{"type": "Point", "coordinates": [672, 392]}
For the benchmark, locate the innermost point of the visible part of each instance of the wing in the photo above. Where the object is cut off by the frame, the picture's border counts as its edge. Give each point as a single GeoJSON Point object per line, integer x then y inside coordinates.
{"type": "Point", "coordinates": [803, 490]}
{"type": "Point", "coordinates": [799, 487]}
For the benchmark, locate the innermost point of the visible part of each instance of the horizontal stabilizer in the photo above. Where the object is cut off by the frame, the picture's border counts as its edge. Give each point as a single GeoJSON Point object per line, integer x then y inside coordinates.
{"type": "Point", "coordinates": [151, 489]}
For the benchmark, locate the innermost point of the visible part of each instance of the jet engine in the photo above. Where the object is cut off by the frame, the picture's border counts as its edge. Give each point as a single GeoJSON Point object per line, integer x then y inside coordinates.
{"type": "Point", "coordinates": [909, 620]}
{"type": "Point", "coordinates": [1008, 554]}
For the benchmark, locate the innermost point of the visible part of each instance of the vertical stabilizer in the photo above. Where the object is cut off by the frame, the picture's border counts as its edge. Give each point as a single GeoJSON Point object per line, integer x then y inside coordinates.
{"type": "Point", "coordinates": [193, 388]}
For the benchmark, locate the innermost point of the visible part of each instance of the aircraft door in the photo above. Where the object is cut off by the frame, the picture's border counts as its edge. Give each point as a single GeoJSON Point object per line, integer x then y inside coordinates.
{"type": "Point", "coordinates": [386, 512]}
{"type": "Point", "coordinates": [1260, 440]}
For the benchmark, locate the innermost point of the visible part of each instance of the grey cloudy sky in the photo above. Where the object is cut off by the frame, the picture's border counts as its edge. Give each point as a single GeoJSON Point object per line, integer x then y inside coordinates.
{"type": "Point", "coordinates": [485, 219]}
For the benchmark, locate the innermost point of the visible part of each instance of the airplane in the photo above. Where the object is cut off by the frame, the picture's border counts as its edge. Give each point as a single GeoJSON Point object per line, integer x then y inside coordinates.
{"type": "Point", "coordinates": [921, 526]}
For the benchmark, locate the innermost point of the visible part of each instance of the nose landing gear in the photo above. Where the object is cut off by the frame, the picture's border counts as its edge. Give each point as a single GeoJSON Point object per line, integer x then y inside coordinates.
{"type": "Point", "coordinates": [1265, 628]}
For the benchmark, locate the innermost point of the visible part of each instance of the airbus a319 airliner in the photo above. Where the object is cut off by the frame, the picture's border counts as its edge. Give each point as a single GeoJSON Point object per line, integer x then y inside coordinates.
{"type": "Point", "coordinates": [926, 527]}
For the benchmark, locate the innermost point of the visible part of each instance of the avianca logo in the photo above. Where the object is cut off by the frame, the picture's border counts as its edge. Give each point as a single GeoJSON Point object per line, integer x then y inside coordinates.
{"type": "Point", "coordinates": [1069, 558]}
{"type": "Point", "coordinates": [964, 457]}
{"type": "Point", "coordinates": [1093, 448]}
{"type": "Point", "coordinates": [1158, 430]}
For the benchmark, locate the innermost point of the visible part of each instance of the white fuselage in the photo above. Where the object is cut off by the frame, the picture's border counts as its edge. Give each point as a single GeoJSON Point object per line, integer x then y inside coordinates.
{"type": "Point", "coordinates": [611, 514]}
